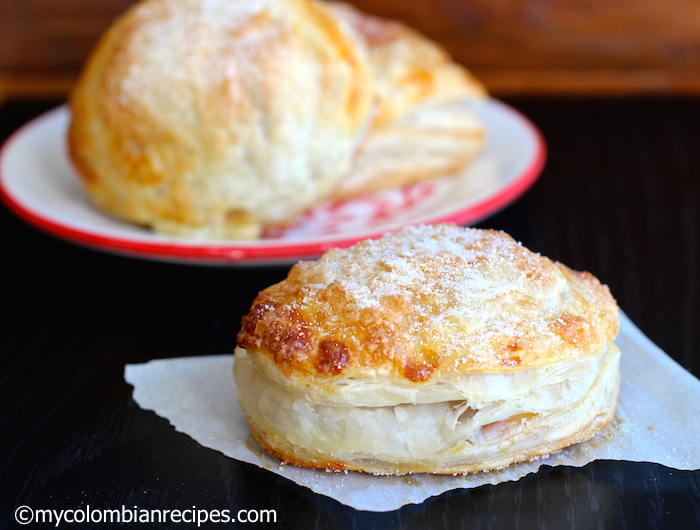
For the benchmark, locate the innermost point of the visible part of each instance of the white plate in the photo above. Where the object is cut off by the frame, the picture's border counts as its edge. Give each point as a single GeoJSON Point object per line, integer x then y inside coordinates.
{"type": "Point", "coordinates": [39, 184]}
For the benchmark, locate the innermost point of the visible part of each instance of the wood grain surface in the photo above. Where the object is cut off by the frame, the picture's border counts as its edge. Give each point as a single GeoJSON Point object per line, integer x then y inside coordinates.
{"type": "Point", "coordinates": [619, 197]}
{"type": "Point", "coordinates": [516, 46]}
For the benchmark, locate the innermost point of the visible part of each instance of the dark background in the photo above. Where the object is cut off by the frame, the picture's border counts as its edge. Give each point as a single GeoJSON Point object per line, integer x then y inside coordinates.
{"type": "Point", "coordinates": [619, 197]}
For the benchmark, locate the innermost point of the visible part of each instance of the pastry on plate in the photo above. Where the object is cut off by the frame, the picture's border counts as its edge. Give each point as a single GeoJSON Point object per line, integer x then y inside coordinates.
{"type": "Point", "coordinates": [211, 118]}
{"type": "Point", "coordinates": [217, 119]}
{"type": "Point", "coordinates": [435, 349]}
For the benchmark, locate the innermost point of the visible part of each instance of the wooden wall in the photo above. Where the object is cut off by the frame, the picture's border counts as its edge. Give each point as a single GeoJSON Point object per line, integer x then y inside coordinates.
{"type": "Point", "coordinates": [518, 47]}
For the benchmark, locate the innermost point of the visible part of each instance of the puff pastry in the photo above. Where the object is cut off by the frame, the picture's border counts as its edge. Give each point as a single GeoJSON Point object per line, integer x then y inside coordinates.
{"type": "Point", "coordinates": [424, 125]}
{"type": "Point", "coordinates": [212, 118]}
{"type": "Point", "coordinates": [434, 349]}
{"type": "Point", "coordinates": [217, 119]}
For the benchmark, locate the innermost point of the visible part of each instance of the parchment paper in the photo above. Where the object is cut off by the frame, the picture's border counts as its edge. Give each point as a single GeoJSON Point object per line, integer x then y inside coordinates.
{"type": "Point", "coordinates": [656, 421]}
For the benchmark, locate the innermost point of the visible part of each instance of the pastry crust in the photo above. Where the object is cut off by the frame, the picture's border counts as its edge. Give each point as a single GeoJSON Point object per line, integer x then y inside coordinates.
{"type": "Point", "coordinates": [424, 123]}
{"type": "Point", "coordinates": [434, 139]}
{"type": "Point", "coordinates": [218, 119]}
{"type": "Point", "coordinates": [213, 118]}
{"type": "Point", "coordinates": [407, 69]}
{"type": "Point", "coordinates": [434, 349]}
{"type": "Point", "coordinates": [422, 438]}
{"type": "Point", "coordinates": [429, 302]}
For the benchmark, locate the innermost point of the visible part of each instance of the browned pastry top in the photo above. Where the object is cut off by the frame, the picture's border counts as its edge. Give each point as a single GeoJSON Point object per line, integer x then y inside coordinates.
{"type": "Point", "coordinates": [427, 303]}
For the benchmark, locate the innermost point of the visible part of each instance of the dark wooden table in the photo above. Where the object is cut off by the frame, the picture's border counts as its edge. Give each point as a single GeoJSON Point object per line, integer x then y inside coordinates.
{"type": "Point", "coordinates": [620, 197]}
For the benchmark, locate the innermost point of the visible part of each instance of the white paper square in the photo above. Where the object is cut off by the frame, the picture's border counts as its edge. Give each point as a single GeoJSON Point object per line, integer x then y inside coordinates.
{"type": "Point", "coordinates": [656, 421]}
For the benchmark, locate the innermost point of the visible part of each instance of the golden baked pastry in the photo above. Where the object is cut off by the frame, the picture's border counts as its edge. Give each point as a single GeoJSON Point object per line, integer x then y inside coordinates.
{"type": "Point", "coordinates": [434, 349]}
{"type": "Point", "coordinates": [423, 124]}
{"type": "Point", "coordinates": [407, 69]}
{"type": "Point", "coordinates": [434, 139]}
{"type": "Point", "coordinates": [211, 119]}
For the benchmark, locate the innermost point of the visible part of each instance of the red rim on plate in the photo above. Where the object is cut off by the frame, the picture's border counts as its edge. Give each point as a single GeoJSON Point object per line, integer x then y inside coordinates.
{"type": "Point", "coordinates": [269, 250]}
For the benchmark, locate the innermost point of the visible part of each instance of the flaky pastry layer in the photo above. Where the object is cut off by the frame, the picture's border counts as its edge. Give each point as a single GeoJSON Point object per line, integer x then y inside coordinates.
{"type": "Point", "coordinates": [433, 139]}
{"type": "Point", "coordinates": [455, 436]}
{"type": "Point", "coordinates": [433, 349]}
{"type": "Point", "coordinates": [407, 68]}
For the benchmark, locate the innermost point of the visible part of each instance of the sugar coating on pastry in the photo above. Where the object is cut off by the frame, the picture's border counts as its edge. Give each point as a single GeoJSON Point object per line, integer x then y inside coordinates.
{"type": "Point", "coordinates": [213, 118]}
{"type": "Point", "coordinates": [434, 349]}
